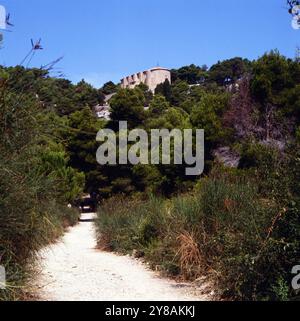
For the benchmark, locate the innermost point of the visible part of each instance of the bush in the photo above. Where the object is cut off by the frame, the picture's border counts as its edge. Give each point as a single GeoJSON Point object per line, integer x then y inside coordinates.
{"type": "Point", "coordinates": [126, 224]}
{"type": "Point", "coordinates": [35, 186]}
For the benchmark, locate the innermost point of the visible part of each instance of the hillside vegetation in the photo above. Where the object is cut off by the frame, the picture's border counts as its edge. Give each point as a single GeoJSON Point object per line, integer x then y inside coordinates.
{"type": "Point", "coordinates": [238, 226]}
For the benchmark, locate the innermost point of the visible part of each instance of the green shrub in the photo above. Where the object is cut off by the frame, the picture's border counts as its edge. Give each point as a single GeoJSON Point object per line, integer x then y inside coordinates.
{"type": "Point", "coordinates": [36, 185]}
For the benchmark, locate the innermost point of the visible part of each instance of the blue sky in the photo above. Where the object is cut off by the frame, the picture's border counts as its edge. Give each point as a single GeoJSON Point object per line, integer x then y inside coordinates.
{"type": "Point", "coordinates": [103, 40]}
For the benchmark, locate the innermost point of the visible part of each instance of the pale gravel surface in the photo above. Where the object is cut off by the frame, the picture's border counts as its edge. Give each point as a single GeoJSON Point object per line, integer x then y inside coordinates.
{"type": "Point", "coordinates": [74, 270]}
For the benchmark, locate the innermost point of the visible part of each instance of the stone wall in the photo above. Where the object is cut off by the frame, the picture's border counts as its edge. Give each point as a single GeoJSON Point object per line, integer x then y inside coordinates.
{"type": "Point", "coordinates": [151, 78]}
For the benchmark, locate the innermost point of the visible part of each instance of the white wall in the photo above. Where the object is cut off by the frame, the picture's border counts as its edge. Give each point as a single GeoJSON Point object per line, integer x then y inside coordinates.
{"type": "Point", "coordinates": [151, 78]}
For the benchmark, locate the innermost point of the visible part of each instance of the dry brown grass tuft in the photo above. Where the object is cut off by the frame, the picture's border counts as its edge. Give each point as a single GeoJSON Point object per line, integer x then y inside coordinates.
{"type": "Point", "coordinates": [189, 255]}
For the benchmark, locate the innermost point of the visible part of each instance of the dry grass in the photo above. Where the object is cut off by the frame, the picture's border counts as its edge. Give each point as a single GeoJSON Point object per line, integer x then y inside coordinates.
{"type": "Point", "coordinates": [189, 255]}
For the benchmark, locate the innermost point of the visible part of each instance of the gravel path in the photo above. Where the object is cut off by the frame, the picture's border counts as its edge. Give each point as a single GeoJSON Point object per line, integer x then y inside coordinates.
{"type": "Point", "coordinates": [74, 270]}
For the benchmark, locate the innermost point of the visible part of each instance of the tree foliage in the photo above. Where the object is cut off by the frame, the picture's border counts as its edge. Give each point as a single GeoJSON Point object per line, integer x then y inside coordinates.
{"type": "Point", "coordinates": [229, 71]}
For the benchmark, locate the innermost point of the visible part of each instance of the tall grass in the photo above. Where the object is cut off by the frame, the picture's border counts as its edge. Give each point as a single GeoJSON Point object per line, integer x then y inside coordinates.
{"type": "Point", "coordinates": [223, 230]}
{"type": "Point", "coordinates": [125, 224]}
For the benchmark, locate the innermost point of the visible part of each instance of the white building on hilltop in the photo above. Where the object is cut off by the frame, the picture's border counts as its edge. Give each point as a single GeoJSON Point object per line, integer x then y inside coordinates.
{"type": "Point", "coordinates": [152, 78]}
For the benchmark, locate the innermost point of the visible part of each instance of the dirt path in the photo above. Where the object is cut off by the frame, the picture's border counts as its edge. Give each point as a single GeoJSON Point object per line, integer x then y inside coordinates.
{"type": "Point", "coordinates": [74, 270]}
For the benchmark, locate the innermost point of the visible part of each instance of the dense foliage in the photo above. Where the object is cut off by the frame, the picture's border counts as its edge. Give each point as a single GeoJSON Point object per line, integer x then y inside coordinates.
{"type": "Point", "coordinates": [239, 226]}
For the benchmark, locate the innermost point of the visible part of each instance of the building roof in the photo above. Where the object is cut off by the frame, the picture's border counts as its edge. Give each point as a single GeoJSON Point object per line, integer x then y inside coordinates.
{"type": "Point", "coordinates": [151, 69]}
{"type": "Point", "coordinates": [159, 68]}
